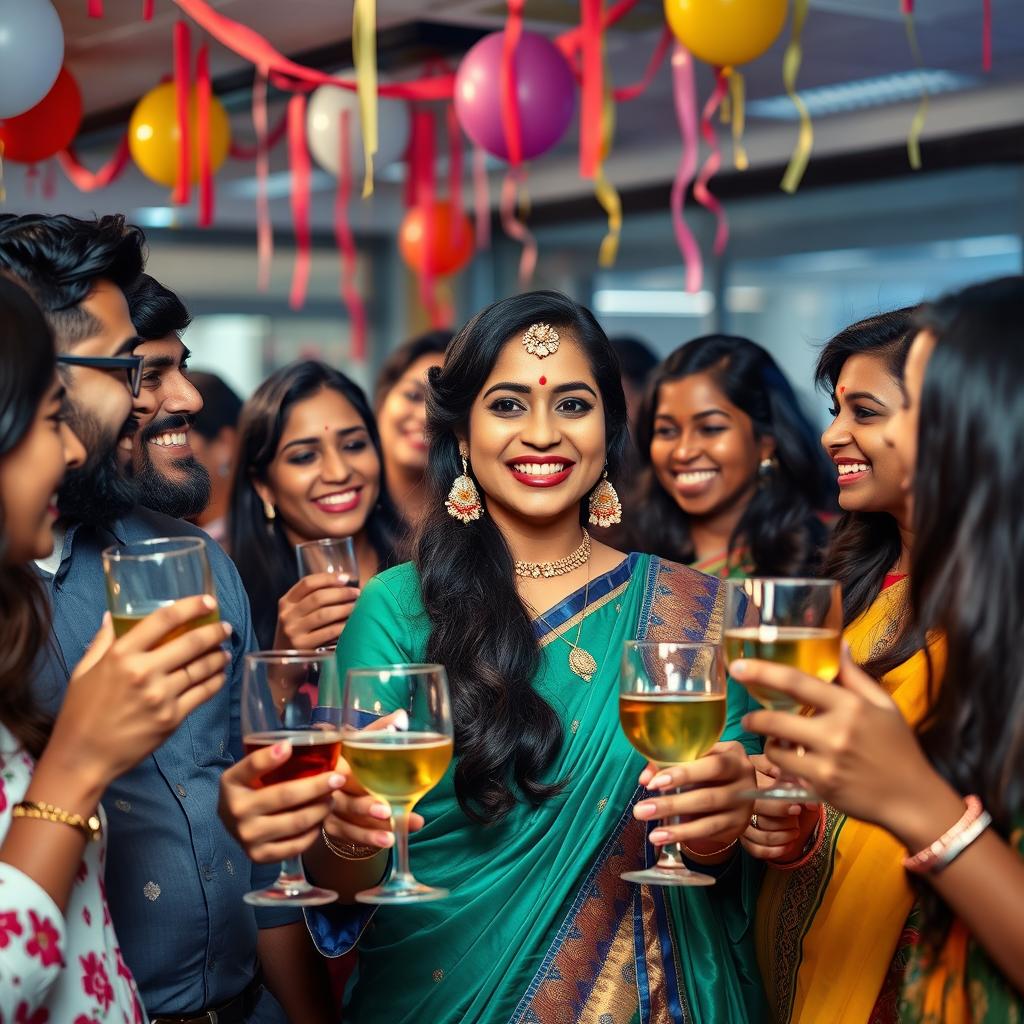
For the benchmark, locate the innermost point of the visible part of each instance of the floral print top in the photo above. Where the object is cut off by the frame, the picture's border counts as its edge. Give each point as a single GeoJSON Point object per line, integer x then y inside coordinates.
{"type": "Point", "coordinates": [57, 968]}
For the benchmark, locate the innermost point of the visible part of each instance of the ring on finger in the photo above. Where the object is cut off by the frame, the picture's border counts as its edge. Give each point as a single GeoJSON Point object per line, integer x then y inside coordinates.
{"type": "Point", "coordinates": [753, 821]}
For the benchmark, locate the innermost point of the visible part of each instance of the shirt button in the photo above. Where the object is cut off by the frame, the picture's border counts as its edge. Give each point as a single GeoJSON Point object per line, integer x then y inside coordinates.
{"type": "Point", "coordinates": [181, 789]}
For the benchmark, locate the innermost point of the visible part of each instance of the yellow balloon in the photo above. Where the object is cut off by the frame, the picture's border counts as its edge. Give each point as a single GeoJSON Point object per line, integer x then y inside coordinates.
{"type": "Point", "coordinates": [725, 33]}
{"type": "Point", "coordinates": [154, 139]}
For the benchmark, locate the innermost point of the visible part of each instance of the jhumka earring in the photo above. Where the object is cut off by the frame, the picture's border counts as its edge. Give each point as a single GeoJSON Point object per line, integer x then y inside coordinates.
{"type": "Point", "coordinates": [605, 507]}
{"type": "Point", "coordinates": [464, 499]}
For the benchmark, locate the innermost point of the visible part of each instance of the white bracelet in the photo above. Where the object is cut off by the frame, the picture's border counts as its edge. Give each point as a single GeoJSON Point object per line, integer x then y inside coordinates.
{"type": "Point", "coordinates": [961, 842]}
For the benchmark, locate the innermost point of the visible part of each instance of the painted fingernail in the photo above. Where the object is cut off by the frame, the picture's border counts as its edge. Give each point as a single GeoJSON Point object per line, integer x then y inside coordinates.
{"type": "Point", "coordinates": [659, 780]}
{"type": "Point", "coordinates": [737, 668]}
{"type": "Point", "coordinates": [657, 836]}
{"type": "Point", "coordinates": [209, 601]}
{"type": "Point", "coordinates": [226, 627]}
{"type": "Point", "coordinates": [645, 810]}
{"type": "Point", "coordinates": [336, 781]}
{"type": "Point", "coordinates": [384, 839]}
{"type": "Point", "coordinates": [380, 811]}
{"type": "Point", "coordinates": [281, 750]}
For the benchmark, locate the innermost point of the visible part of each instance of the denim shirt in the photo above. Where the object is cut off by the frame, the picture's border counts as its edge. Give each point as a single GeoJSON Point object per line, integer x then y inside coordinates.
{"type": "Point", "coordinates": [175, 878]}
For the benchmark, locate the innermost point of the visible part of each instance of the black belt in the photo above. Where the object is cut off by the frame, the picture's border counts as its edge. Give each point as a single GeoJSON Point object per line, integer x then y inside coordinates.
{"type": "Point", "coordinates": [234, 1011]}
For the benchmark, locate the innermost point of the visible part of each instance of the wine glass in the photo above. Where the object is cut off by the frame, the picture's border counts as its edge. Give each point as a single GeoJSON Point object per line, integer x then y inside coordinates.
{"type": "Point", "coordinates": [150, 574]}
{"type": "Point", "coordinates": [795, 622]}
{"type": "Point", "coordinates": [672, 709]}
{"type": "Point", "coordinates": [334, 555]}
{"type": "Point", "coordinates": [397, 739]}
{"type": "Point", "coordinates": [276, 706]}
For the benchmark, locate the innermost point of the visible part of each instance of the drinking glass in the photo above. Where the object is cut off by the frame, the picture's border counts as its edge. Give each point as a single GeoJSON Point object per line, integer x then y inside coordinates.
{"type": "Point", "coordinates": [276, 706]}
{"type": "Point", "coordinates": [795, 622]}
{"type": "Point", "coordinates": [334, 555]}
{"type": "Point", "coordinates": [672, 709]}
{"type": "Point", "coordinates": [150, 574]}
{"type": "Point", "coordinates": [397, 739]}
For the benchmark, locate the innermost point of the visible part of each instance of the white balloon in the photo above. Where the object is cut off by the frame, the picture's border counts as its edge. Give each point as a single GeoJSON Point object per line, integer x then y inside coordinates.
{"type": "Point", "coordinates": [31, 53]}
{"type": "Point", "coordinates": [323, 130]}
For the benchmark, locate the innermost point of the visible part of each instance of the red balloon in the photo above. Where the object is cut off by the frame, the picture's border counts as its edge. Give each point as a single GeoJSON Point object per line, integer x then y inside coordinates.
{"type": "Point", "coordinates": [451, 245]}
{"type": "Point", "coordinates": [48, 127]}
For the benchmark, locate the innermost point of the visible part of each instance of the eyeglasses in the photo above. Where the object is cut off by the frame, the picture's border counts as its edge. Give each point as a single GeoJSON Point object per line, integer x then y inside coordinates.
{"type": "Point", "coordinates": [132, 365]}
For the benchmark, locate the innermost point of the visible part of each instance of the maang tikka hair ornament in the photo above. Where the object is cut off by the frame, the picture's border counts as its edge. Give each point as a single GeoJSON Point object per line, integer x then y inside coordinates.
{"type": "Point", "coordinates": [541, 340]}
{"type": "Point", "coordinates": [464, 499]}
{"type": "Point", "coordinates": [605, 507]}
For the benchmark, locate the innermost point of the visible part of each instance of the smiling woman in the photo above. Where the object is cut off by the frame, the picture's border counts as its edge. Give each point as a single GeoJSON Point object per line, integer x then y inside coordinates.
{"type": "Point", "coordinates": [309, 467]}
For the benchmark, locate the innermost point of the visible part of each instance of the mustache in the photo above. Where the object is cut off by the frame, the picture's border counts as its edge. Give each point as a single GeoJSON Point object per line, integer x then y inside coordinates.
{"type": "Point", "coordinates": [165, 425]}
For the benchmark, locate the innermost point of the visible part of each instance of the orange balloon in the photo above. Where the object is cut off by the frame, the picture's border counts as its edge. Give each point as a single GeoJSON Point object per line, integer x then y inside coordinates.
{"type": "Point", "coordinates": [725, 33]}
{"type": "Point", "coordinates": [452, 242]}
{"type": "Point", "coordinates": [154, 139]}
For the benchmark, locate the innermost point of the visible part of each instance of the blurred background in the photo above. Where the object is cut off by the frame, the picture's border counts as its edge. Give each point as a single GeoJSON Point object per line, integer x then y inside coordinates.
{"type": "Point", "coordinates": [864, 231]}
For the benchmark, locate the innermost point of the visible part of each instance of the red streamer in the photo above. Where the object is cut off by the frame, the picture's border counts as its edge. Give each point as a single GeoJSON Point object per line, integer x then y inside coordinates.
{"type": "Point", "coordinates": [203, 137]}
{"type": "Point", "coordinates": [90, 181]}
{"type": "Point", "coordinates": [515, 178]}
{"type": "Point", "coordinates": [239, 151]}
{"type": "Point", "coordinates": [49, 180]}
{"type": "Point", "coordinates": [346, 244]}
{"type": "Point", "coordinates": [424, 192]}
{"type": "Point", "coordinates": [509, 83]}
{"type": "Point", "coordinates": [481, 200]}
{"type": "Point", "coordinates": [714, 161]}
{"type": "Point", "coordinates": [631, 92]}
{"type": "Point", "coordinates": [455, 196]}
{"type": "Point", "coordinates": [593, 88]}
{"type": "Point", "coordinates": [147, 10]}
{"type": "Point", "coordinates": [95, 8]}
{"type": "Point", "coordinates": [906, 7]}
{"type": "Point", "coordinates": [986, 35]}
{"type": "Point", "coordinates": [182, 96]}
{"type": "Point", "coordinates": [299, 158]}
{"type": "Point", "coordinates": [264, 225]}
{"type": "Point", "coordinates": [684, 93]}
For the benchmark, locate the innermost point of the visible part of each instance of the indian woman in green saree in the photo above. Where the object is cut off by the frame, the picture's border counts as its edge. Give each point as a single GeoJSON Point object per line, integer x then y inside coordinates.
{"type": "Point", "coordinates": [545, 803]}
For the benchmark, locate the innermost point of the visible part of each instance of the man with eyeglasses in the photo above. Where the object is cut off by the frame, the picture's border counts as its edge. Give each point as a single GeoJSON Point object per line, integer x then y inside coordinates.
{"type": "Point", "coordinates": [174, 878]}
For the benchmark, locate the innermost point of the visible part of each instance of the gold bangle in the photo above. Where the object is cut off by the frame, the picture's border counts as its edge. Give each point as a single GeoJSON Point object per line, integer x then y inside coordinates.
{"type": "Point", "coordinates": [89, 827]}
{"type": "Point", "coordinates": [349, 851]}
{"type": "Point", "coordinates": [694, 855]}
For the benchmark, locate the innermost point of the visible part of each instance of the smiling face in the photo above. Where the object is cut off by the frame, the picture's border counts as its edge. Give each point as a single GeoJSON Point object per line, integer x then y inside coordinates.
{"type": "Point", "coordinates": [867, 469]}
{"type": "Point", "coordinates": [704, 450]}
{"type": "Point", "coordinates": [29, 477]}
{"type": "Point", "coordinates": [536, 439]}
{"type": "Point", "coordinates": [901, 430]}
{"type": "Point", "coordinates": [324, 480]}
{"type": "Point", "coordinates": [402, 418]}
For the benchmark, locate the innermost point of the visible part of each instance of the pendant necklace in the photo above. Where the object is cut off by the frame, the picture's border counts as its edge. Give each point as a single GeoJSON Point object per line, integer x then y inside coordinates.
{"type": "Point", "coordinates": [581, 661]}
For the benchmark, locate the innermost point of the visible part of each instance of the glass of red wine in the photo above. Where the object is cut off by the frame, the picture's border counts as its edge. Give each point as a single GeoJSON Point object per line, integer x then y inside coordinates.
{"type": "Point", "coordinates": [277, 705]}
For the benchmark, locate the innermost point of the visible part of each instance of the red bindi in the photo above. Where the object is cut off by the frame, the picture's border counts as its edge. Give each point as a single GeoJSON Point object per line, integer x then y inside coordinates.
{"type": "Point", "coordinates": [842, 389]}
{"type": "Point", "coordinates": [543, 381]}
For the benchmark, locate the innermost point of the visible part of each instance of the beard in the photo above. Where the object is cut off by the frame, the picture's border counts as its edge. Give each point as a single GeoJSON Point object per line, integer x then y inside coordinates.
{"type": "Point", "coordinates": [181, 497]}
{"type": "Point", "coordinates": [97, 492]}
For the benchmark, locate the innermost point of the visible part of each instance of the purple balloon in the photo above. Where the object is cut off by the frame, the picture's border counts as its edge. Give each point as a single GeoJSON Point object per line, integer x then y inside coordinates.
{"type": "Point", "coordinates": [545, 90]}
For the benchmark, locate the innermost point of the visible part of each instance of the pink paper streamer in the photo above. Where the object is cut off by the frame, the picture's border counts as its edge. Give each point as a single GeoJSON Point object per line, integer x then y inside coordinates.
{"type": "Point", "coordinates": [701, 192]}
{"type": "Point", "coordinates": [684, 93]}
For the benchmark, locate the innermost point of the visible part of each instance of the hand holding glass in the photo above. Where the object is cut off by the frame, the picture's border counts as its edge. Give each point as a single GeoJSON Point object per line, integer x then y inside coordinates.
{"type": "Point", "coordinates": [672, 709]}
{"type": "Point", "coordinates": [794, 622]}
{"type": "Point", "coordinates": [400, 761]}
{"type": "Point", "coordinates": [335, 556]}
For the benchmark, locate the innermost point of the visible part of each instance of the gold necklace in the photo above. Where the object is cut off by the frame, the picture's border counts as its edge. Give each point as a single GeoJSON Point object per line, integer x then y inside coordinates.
{"type": "Point", "coordinates": [564, 566]}
{"type": "Point", "coordinates": [581, 661]}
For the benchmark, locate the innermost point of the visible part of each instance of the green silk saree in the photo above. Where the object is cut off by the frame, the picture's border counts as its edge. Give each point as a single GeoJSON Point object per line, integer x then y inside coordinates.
{"type": "Point", "coordinates": [539, 929]}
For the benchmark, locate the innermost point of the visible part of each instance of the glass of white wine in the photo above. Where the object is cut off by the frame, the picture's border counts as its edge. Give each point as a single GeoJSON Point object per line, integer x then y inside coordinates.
{"type": "Point", "coordinates": [672, 700]}
{"type": "Point", "coordinates": [147, 575]}
{"type": "Point", "coordinates": [333, 555]}
{"type": "Point", "coordinates": [794, 622]}
{"type": "Point", "coordinates": [397, 738]}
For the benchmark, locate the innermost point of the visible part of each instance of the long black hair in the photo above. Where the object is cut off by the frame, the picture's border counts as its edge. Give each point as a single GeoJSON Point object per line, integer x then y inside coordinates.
{"type": "Point", "coordinates": [781, 526]}
{"type": "Point", "coordinates": [265, 558]}
{"type": "Point", "coordinates": [27, 367]}
{"type": "Point", "coordinates": [432, 343]}
{"type": "Point", "coordinates": [967, 565]}
{"type": "Point", "coordinates": [866, 545]}
{"type": "Point", "coordinates": [506, 734]}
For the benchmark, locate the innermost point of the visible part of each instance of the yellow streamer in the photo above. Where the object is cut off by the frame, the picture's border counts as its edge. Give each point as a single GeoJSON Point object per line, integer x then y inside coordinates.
{"type": "Point", "coordinates": [364, 54]}
{"type": "Point", "coordinates": [790, 70]}
{"type": "Point", "coordinates": [725, 110]}
{"type": "Point", "coordinates": [917, 125]}
{"type": "Point", "coordinates": [604, 191]}
{"type": "Point", "coordinates": [737, 103]}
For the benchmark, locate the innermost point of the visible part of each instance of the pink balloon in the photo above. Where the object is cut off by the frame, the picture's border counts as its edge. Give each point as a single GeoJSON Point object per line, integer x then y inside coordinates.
{"type": "Point", "coordinates": [545, 90]}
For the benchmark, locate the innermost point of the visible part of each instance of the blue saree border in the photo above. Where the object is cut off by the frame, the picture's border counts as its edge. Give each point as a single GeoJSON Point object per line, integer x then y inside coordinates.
{"type": "Point", "coordinates": [571, 606]}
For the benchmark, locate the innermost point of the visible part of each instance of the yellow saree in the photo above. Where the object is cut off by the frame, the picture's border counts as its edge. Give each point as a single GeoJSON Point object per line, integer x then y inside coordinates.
{"type": "Point", "coordinates": [827, 933]}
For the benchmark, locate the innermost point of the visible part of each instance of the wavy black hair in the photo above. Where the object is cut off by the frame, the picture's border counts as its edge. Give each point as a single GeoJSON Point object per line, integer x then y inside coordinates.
{"type": "Point", "coordinates": [866, 545]}
{"type": "Point", "coordinates": [967, 565]}
{"type": "Point", "coordinates": [27, 368]}
{"type": "Point", "coordinates": [59, 258]}
{"type": "Point", "coordinates": [265, 558]}
{"type": "Point", "coordinates": [155, 310]}
{"type": "Point", "coordinates": [781, 527]}
{"type": "Point", "coordinates": [431, 343]}
{"type": "Point", "coordinates": [506, 734]}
